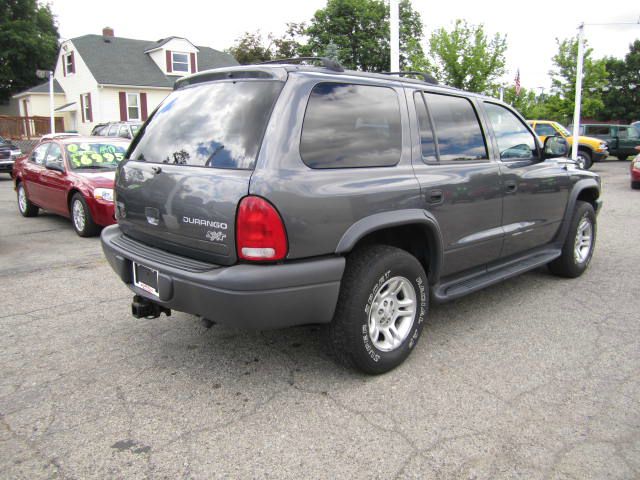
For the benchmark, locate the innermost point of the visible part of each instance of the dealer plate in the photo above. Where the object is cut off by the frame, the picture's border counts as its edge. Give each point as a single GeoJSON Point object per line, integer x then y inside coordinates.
{"type": "Point", "coordinates": [145, 278]}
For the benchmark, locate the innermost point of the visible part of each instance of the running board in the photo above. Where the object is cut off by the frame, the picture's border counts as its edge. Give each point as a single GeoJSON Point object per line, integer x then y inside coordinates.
{"type": "Point", "coordinates": [468, 284]}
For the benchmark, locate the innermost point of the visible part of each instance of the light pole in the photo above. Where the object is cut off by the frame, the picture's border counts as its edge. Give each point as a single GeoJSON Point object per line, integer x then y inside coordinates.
{"type": "Point", "coordinates": [394, 27]}
{"type": "Point", "coordinates": [44, 74]}
{"type": "Point", "coordinates": [576, 108]}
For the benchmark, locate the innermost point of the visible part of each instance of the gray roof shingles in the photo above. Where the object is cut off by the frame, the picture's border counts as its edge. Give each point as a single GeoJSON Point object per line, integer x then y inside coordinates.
{"type": "Point", "coordinates": [122, 61]}
{"type": "Point", "coordinates": [44, 88]}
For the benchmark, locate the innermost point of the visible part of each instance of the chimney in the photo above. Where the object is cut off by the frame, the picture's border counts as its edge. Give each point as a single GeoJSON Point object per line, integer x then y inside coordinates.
{"type": "Point", "coordinates": [107, 32]}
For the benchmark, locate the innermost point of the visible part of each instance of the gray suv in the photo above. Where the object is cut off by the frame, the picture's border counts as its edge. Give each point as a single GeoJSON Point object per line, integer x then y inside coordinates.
{"type": "Point", "coordinates": [267, 196]}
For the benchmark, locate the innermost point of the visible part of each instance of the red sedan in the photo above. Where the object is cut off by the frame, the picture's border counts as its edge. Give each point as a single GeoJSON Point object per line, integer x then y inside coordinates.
{"type": "Point", "coordinates": [73, 177]}
{"type": "Point", "coordinates": [635, 171]}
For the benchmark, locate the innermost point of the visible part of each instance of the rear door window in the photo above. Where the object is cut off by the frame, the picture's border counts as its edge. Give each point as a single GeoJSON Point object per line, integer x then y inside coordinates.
{"type": "Point", "coordinates": [350, 126]}
{"type": "Point", "coordinates": [457, 128]}
{"type": "Point", "coordinates": [217, 124]}
{"type": "Point", "coordinates": [39, 153]}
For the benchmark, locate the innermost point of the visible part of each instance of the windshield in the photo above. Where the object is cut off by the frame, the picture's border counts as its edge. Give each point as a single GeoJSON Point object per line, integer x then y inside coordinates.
{"type": "Point", "coordinates": [563, 130]}
{"type": "Point", "coordinates": [95, 155]}
{"type": "Point", "coordinates": [209, 125]}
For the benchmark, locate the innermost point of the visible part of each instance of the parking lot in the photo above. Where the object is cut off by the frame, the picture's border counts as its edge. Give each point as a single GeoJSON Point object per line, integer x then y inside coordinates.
{"type": "Point", "coordinates": [538, 377]}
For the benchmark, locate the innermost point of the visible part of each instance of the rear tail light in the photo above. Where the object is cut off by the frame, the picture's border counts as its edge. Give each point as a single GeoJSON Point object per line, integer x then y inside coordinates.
{"type": "Point", "coordinates": [260, 233]}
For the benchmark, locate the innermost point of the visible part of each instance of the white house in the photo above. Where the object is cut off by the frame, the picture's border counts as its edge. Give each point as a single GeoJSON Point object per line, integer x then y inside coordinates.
{"type": "Point", "coordinates": [102, 78]}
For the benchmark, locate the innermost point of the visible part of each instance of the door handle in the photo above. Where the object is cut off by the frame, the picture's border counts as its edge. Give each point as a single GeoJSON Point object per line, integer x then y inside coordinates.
{"type": "Point", "coordinates": [511, 186]}
{"type": "Point", "coordinates": [435, 196]}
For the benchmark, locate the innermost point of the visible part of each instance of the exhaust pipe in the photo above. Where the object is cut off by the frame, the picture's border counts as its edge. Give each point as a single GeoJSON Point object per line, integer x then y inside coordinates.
{"type": "Point", "coordinates": [142, 307]}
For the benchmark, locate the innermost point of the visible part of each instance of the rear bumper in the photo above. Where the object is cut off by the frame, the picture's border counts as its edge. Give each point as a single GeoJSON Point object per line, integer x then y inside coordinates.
{"type": "Point", "coordinates": [244, 296]}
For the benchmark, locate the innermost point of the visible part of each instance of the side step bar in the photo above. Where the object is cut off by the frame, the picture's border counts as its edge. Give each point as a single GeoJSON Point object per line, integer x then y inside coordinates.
{"type": "Point", "coordinates": [494, 274]}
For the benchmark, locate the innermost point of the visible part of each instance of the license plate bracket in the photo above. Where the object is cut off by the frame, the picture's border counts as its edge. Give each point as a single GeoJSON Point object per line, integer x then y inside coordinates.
{"type": "Point", "coordinates": [146, 278]}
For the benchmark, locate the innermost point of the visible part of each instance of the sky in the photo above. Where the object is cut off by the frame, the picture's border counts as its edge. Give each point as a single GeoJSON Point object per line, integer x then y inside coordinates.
{"type": "Point", "coordinates": [530, 27]}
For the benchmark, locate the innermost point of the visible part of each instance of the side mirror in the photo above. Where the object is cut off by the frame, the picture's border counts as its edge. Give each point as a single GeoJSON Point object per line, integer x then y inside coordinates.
{"type": "Point", "coordinates": [555, 146]}
{"type": "Point", "coordinates": [54, 165]}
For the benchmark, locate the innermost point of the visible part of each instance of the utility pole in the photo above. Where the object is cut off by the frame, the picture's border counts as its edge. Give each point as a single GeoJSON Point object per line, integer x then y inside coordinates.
{"type": "Point", "coordinates": [394, 24]}
{"type": "Point", "coordinates": [576, 110]}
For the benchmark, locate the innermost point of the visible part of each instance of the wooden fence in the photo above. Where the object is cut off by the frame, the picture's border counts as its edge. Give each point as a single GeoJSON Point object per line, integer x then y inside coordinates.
{"type": "Point", "coordinates": [27, 127]}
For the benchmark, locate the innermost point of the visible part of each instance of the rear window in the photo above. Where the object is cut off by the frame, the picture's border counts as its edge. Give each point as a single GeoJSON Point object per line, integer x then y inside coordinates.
{"type": "Point", "coordinates": [209, 125]}
{"type": "Point", "coordinates": [347, 126]}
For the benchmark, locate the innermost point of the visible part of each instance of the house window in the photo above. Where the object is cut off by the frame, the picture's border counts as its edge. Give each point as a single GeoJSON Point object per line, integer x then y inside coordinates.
{"type": "Point", "coordinates": [69, 66]}
{"type": "Point", "coordinates": [133, 106]}
{"type": "Point", "coordinates": [86, 106]}
{"type": "Point", "coordinates": [180, 62]}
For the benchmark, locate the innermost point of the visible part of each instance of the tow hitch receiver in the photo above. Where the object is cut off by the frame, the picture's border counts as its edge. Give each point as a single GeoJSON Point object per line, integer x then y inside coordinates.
{"type": "Point", "coordinates": [144, 308]}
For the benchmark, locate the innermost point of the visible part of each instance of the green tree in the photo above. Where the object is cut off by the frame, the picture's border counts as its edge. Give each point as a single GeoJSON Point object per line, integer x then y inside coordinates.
{"type": "Point", "coordinates": [465, 58]}
{"type": "Point", "coordinates": [360, 31]}
{"type": "Point", "coordinates": [563, 80]}
{"type": "Point", "coordinates": [621, 98]}
{"type": "Point", "coordinates": [290, 44]}
{"type": "Point", "coordinates": [28, 41]}
{"type": "Point", "coordinates": [249, 48]}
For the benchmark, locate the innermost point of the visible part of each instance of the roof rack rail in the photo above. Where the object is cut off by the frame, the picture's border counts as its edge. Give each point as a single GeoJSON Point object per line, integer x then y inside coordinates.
{"type": "Point", "coordinates": [427, 78]}
{"type": "Point", "coordinates": [326, 62]}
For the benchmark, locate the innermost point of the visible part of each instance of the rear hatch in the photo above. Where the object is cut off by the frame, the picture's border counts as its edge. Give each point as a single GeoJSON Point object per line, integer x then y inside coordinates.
{"type": "Point", "coordinates": [191, 164]}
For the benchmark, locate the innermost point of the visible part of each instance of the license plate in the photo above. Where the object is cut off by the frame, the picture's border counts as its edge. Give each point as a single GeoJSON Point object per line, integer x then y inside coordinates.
{"type": "Point", "coordinates": [145, 278]}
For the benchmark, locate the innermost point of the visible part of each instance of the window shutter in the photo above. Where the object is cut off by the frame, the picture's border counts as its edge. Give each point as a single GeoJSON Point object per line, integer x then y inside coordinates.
{"type": "Point", "coordinates": [89, 110]}
{"type": "Point", "coordinates": [73, 63]}
{"type": "Point", "coordinates": [193, 63]}
{"type": "Point", "coordinates": [123, 106]}
{"type": "Point", "coordinates": [169, 68]}
{"type": "Point", "coordinates": [82, 107]}
{"type": "Point", "coordinates": [143, 106]}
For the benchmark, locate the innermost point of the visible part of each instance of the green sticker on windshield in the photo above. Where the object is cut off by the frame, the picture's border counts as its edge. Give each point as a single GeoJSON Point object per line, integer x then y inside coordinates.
{"type": "Point", "coordinates": [85, 160]}
{"type": "Point", "coordinates": [72, 148]}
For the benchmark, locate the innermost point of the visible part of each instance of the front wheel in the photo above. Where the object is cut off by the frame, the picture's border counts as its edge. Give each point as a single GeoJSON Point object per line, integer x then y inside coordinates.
{"type": "Point", "coordinates": [579, 245]}
{"type": "Point", "coordinates": [381, 309]}
{"type": "Point", "coordinates": [25, 207]}
{"type": "Point", "coordinates": [584, 159]}
{"type": "Point", "coordinates": [81, 218]}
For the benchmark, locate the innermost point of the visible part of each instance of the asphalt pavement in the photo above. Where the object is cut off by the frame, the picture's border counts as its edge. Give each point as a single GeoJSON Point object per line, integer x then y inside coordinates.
{"type": "Point", "coordinates": [534, 378]}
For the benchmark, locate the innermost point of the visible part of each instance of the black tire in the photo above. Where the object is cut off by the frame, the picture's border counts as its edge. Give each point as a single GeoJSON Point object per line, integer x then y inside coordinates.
{"type": "Point", "coordinates": [81, 218]}
{"type": "Point", "coordinates": [369, 272]}
{"type": "Point", "coordinates": [635, 185]}
{"type": "Point", "coordinates": [622, 158]}
{"type": "Point", "coordinates": [585, 157]}
{"type": "Point", "coordinates": [568, 264]}
{"type": "Point", "coordinates": [25, 207]}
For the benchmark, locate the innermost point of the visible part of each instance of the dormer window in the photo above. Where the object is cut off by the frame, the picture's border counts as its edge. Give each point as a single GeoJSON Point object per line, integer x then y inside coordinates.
{"type": "Point", "coordinates": [69, 64]}
{"type": "Point", "coordinates": [180, 62]}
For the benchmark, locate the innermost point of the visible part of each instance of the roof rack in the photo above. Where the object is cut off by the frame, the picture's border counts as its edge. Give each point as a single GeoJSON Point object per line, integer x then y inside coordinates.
{"type": "Point", "coordinates": [326, 62]}
{"type": "Point", "coordinates": [425, 76]}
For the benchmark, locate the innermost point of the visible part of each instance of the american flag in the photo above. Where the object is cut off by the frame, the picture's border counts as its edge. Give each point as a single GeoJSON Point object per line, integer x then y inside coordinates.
{"type": "Point", "coordinates": [517, 79]}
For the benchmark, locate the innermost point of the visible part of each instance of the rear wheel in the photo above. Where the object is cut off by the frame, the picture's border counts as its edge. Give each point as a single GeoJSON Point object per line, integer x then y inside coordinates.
{"type": "Point", "coordinates": [25, 207]}
{"type": "Point", "coordinates": [381, 309]}
{"type": "Point", "coordinates": [579, 245]}
{"type": "Point", "coordinates": [81, 219]}
{"type": "Point", "coordinates": [635, 185]}
{"type": "Point", "coordinates": [584, 159]}
{"type": "Point", "coordinates": [622, 158]}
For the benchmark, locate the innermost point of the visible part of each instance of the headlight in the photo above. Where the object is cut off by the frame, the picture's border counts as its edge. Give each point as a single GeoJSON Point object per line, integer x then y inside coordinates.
{"type": "Point", "coordinates": [105, 194]}
{"type": "Point", "coordinates": [603, 146]}
{"type": "Point", "coordinates": [16, 153]}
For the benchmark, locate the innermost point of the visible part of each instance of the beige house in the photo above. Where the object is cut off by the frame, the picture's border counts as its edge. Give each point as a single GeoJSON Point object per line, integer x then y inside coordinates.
{"type": "Point", "coordinates": [103, 78]}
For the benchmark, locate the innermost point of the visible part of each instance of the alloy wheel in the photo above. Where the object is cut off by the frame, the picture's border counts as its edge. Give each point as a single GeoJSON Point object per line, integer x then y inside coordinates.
{"type": "Point", "coordinates": [392, 314]}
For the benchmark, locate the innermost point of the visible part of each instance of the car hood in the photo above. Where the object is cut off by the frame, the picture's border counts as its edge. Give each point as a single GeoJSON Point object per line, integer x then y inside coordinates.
{"type": "Point", "coordinates": [98, 179]}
